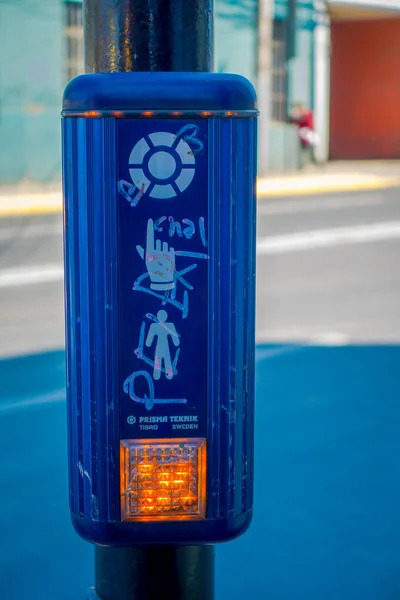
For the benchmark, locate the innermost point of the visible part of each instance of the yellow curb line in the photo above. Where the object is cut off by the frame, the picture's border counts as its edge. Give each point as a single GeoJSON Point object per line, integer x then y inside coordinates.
{"type": "Point", "coordinates": [35, 209]}
{"type": "Point", "coordinates": [326, 188]}
{"type": "Point", "coordinates": [13, 208]}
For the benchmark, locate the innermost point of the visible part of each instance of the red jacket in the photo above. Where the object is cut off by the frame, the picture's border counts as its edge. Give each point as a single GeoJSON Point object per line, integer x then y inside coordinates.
{"type": "Point", "coordinates": [304, 120]}
{"type": "Point", "coordinates": [305, 123]}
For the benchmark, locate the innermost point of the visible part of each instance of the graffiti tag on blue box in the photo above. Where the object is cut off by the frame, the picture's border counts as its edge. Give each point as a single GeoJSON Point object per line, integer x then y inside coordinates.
{"type": "Point", "coordinates": [162, 270]}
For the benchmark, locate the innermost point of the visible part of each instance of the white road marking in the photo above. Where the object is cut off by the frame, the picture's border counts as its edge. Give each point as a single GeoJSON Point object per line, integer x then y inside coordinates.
{"type": "Point", "coordinates": [283, 342]}
{"type": "Point", "coordinates": [269, 353]}
{"type": "Point", "coordinates": [330, 338]}
{"type": "Point", "coordinates": [31, 275]}
{"type": "Point", "coordinates": [307, 240]}
{"type": "Point", "coordinates": [30, 231]}
{"type": "Point", "coordinates": [50, 398]}
{"type": "Point", "coordinates": [317, 205]}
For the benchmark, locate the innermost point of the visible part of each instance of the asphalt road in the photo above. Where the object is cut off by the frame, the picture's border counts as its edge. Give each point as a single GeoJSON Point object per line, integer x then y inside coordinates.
{"type": "Point", "coordinates": [327, 491]}
{"type": "Point", "coordinates": [336, 276]}
{"type": "Point", "coordinates": [327, 272]}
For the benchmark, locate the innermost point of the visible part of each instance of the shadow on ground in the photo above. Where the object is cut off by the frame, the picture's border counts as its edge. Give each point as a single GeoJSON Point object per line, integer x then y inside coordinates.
{"type": "Point", "coordinates": [327, 518]}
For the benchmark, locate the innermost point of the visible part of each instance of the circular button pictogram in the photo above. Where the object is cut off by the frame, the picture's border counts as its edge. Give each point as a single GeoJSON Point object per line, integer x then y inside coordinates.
{"type": "Point", "coordinates": [162, 165]}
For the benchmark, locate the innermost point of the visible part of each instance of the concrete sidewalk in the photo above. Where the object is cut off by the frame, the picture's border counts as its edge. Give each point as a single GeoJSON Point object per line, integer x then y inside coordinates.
{"type": "Point", "coordinates": [27, 198]}
{"type": "Point", "coordinates": [340, 176]}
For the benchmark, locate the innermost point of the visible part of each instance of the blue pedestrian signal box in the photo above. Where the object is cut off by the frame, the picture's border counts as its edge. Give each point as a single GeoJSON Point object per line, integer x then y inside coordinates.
{"type": "Point", "coordinates": [159, 213]}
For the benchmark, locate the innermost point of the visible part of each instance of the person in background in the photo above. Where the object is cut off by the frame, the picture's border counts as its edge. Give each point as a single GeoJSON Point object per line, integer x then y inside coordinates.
{"type": "Point", "coordinates": [304, 119]}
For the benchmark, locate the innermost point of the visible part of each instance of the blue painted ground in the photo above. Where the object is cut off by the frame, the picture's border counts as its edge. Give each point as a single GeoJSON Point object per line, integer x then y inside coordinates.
{"type": "Point", "coordinates": [327, 522]}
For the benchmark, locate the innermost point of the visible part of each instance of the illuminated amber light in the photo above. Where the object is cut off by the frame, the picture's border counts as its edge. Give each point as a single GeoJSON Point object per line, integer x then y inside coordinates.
{"type": "Point", "coordinates": [91, 113]}
{"type": "Point", "coordinates": [163, 479]}
{"type": "Point", "coordinates": [148, 113]}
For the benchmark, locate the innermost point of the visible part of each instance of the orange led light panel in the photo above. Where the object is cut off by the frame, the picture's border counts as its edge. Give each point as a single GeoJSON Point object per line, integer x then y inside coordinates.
{"type": "Point", "coordinates": [163, 479]}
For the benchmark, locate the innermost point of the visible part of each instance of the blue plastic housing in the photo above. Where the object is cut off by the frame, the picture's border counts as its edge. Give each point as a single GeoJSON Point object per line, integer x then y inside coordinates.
{"type": "Point", "coordinates": [122, 193]}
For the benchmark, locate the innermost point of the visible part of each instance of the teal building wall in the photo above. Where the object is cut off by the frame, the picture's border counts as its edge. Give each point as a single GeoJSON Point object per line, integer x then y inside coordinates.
{"type": "Point", "coordinates": [31, 82]}
{"type": "Point", "coordinates": [33, 75]}
{"type": "Point", "coordinates": [236, 29]}
{"type": "Point", "coordinates": [236, 37]}
{"type": "Point", "coordinates": [283, 138]}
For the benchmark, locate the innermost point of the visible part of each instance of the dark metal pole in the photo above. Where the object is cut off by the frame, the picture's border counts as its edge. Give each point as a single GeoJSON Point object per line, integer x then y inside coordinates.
{"type": "Point", "coordinates": [150, 35]}
{"type": "Point", "coordinates": [155, 573]}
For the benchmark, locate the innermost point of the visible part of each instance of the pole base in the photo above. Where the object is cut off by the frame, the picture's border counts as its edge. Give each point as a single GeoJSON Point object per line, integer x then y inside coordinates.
{"type": "Point", "coordinates": [153, 573]}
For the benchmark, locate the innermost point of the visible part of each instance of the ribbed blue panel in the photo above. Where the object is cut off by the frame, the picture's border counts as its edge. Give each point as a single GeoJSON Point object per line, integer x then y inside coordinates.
{"type": "Point", "coordinates": [89, 160]}
{"type": "Point", "coordinates": [90, 219]}
{"type": "Point", "coordinates": [232, 210]}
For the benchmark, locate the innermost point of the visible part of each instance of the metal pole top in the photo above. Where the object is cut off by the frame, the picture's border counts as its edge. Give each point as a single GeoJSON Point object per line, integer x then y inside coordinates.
{"type": "Point", "coordinates": [148, 35]}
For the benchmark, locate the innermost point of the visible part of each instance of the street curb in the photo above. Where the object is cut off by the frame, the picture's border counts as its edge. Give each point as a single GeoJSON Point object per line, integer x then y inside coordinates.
{"type": "Point", "coordinates": [276, 187]}
{"type": "Point", "coordinates": [301, 186]}
{"type": "Point", "coordinates": [35, 204]}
